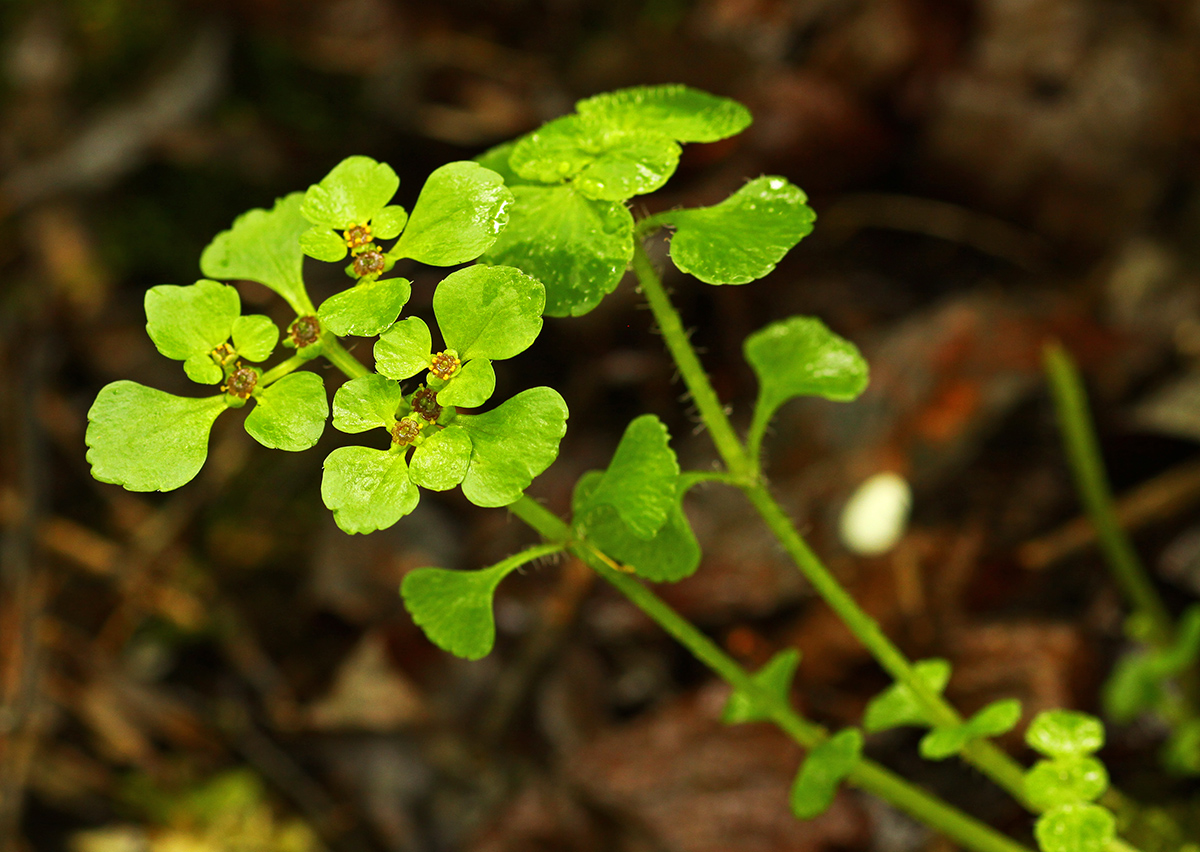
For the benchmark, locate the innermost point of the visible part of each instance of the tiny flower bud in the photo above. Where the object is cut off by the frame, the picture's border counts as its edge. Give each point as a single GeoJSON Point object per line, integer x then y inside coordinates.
{"type": "Point", "coordinates": [405, 431]}
{"type": "Point", "coordinates": [358, 236]}
{"type": "Point", "coordinates": [424, 402]}
{"type": "Point", "coordinates": [369, 263]}
{"type": "Point", "coordinates": [241, 382]}
{"type": "Point", "coordinates": [304, 331]}
{"type": "Point", "coordinates": [445, 364]}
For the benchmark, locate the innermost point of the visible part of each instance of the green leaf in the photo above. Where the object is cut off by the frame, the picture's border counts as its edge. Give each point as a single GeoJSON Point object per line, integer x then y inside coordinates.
{"type": "Point", "coordinates": [367, 489]}
{"type": "Point", "coordinates": [367, 402]}
{"type": "Point", "coordinates": [356, 190]}
{"type": "Point", "coordinates": [323, 244]}
{"type": "Point", "coordinates": [365, 309]}
{"type": "Point", "coordinates": [511, 444]}
{"type": "Point", "coordinates": [995, 719]}
{"type": "Point", "coordinates": [578, 248]}
{"type": "Point", "coordinates": [254, 337]}
{"type": "Point", "coordinates": [640, 483]}
{"type": "Point", "coordinates": [1135, 686]}
{"type": "Point", "coordinates": [471, 386]}
{"type": "Point", "coordinates": [289, 414]}
{"type": "Point", "coordinates": [492, 312]}
{"type": "Point", "coordinates": [823, 770]}
{"type": "Point", "coordinates": [775, 677]}
{"type": "Point", "coordinates": [404, 349]}
{"type": "Point", "coordinates": [264, 246]}
{"type": "Point", "coordinates": [1075, 828]}
{"type": "Point", "coordinates": [898, 705]}
{"type": "Point", "coordinates": [670, 556]}
{"type": "Point", "coordinates": [202, 369]}
{"type": "Point", "coordinates": [148, 440]}
{"type": "Point", "coordinates": [440, 461]}
{"type": "Point", "coordinates": [454, 608]}
{"type": "Point", "coordinates": [192, 320]}
{"type": "Point", "coordinates": [389, 222]}
{"type": "Point", "coordinates": [1180, 753]}
{"type": "Point", "coordinates": [680, 112]}
{"type": "Point", "coordinates": [460, 212]}
{"type": "Point", "coordinates": [1065, 733]}
{"type": "Point", "coordinates": [1051, 783]}
{"type": "Point", "coordinates": [742, 238]}
{"type": "Point", "coordinates": [799, 356]}
{"type": "Point", "coordinates": [497, 159]}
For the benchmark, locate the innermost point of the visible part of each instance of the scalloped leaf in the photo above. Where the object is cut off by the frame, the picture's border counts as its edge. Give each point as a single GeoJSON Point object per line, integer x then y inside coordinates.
{"type": "Point", "coordinates": [145, 439]}
{"type": "Point", "coordinates": [825, 767]}
{"type": "Point", "coordinates": [366, 309]}
{"type": "Point", "coordinates": [351, 194]}
{"type": "Point", "coordinates": [512, 444]}
{"type": "Point", "coordinates": [578, 248]}
{"type": "Point", "coordinates": [440, 461]}
{"type": "Point", "coordinates": [742, 238]}
{"type": "Point", "coordinates": [471, 386]}
{"type": "Point", "coordinates": [324, 244]}
{"type": "Point", "coordinates": [191, 320]}
{"type": "Point", "coordinates": [367, 489]}
{"type": "Point", "coordinates": [290, 414]}
{"type": "Point", "coordinates": [202, 369]}
{"type": "Point", "coordinates": [1075, 828]}
{"type": "Point", "coordinates": [1065, 733]}
{"type": "Point", "coordinates": [492, 312]}
{"type": "Point", "coordinates": [389, 222]}
{"type": "Point", "coordinates": [367, 402]}
{"type": "Point", "coordinates": [775, 677]}
{"type": "Point", "coordinates": [454, 608]}
{"type": "Point", "coordinates": [642, 478]}
{"type": "Point", "coordinates": [897, 705]}
{"type": "Point", "coordinates": [254, 337]}
{"type": "Point", "coordinates": [404, 349]}
{"type": "Point", "coordinates": [264, 246]}
{"type": "Point", "coordinates": [680, 112]}
{"type": "Point", "coordinates": [997, 718]}
{"type": "Point", "coordinates": [460, 212]}
{"type": "Point", "coordinates": [1051, 783]}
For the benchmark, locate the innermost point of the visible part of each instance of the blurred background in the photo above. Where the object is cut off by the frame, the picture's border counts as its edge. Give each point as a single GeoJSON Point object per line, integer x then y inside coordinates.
{"type": "Point", "coordinates": [220, 668]}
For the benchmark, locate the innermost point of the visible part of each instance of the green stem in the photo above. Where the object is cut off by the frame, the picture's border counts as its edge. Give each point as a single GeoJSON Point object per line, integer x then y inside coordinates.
{"type": "Point", "coordinates": [282, 369]}
{"type": "Point", "coordinates": [866, 775]}
{"type": "Point", "coordinates": [1087, 466]}
{"type": "Point", "coordinates": [332, 349]}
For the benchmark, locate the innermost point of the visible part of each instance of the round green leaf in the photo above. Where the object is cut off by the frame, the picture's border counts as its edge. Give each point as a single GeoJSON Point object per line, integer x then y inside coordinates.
{"type": "Point", "coordinates": [799, 356]}
{"type": "Point", "coordinates": [1063, 780]}
{"type": "Point", "coordinates": [1062, 733]}
{"type": "Point", "coordinates": [254, 337]}
{"type": "Point", "coordinates": [202, 369]}
{"type": "Point", "coordinates": [1075, 828]}
{"type": "Point", "coordinates": [365, 309]}
{"type": "Point", "coordinates": [454, 608]}
{"type": "Point", "coordinates": [472, 386]}
{"type": "Point", "coordinates": [775, 677]}
{"type": "Point", "coordinates": [578, 248]}
{"type": "Point", "coordinates": [368, 402]}
{"type": "Point", "coordinates": [742, 238]}
{"type": "Point", "coordinates": [460, 212]}
{"type": "Point", "coordinates": [640, 483]}
{"type": "Point", "coordinates": [511, 444]}
{"type": "Point", "coordinates": [680, 112]}
{"type": "Point", "coordinates": [323, 244]}
{"type": "Point", "coordinates": [264, 246]}
{"type": "Point", "coordinates": [356, 190]}
{"type": "Point", "coordinates": [192, 320]}
{"type": "Point", "coordinates": [492, 312]}
{"type": "Point", "coordinates": [367, 489]}
{"type": "Point", "coordinates": [440, 461]}
{"type": "Point", "coordinates": [404, 349]}
{"type": "Point", "coordinates": [290, 414]}
{"type": "Point", "coordinates": [389, 222]}
{"type": "Point", "coordinates": [823, 770]}
{"type": "Point", "coordinates": [671, 555]}
{"type": "Point", "coordinates": [148, 440]}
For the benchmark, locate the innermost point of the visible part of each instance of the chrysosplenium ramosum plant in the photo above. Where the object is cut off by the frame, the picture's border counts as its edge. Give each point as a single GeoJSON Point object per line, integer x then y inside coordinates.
{"type": "Point", "coordinates": [548, 219]}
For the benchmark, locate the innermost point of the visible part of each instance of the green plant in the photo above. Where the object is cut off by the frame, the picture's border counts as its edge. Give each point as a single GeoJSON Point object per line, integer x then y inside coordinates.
{"type": "Point", "coordinates": [547, 216]}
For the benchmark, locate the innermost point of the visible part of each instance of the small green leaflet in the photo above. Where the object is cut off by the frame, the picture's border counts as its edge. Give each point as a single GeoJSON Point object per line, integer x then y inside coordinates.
{"type": "Point", "coordinates": [1076, 827]}
{"type": "Point", "coordinates": [1065, 733]}
{"type": "Point", "coordinates": [512, 444]}
{"type": "Point", "coordinates": [264, 246]}
{"type": "Point", "coordinates": [289, 414]}
{"type": "Point", "coordinates": [367, 402]}
{"type": "Point", "coordinates": [492, 312]}
{"type": "Point", "coordinates": [641, 480]}
{"type": "Point", "coordinates": [742, 238]}
{"type": "Point", "coordinates": [148, 440]}
{"type": "Point", "coordinates": [898, 705]}
{"type": "Point", "coordinates": [254, 337]}
{"type": "Point", "coordinates": [775, 677]}
{"type": "Point", "coordinates": [578, 248]}
{"type": "Point", "coordinates": [404, 349]}
{"type": "Point", "coordinates": [679, 112]}
{"type": "Point", "coordinates": [192, 320]}
{"type": "Point", "coordinates": [997, 718]}
{"type": "Point", "coordinates": [471, 387]}
{"type": "Point", "coordinates": [460, 212]}
{"type": "Point", "coordinates": [825, 767]}
{"type": "Point", "coordinates": [1138, 680]}
{"type": "Point", "coordinates": [440, 461]}
{"type": "Point", "coordinates": [799, 356]}
{"type": "Point", "coordinates": [1051, 783]}
{"type": "Point", "coordinates": [670, 556]}
{"type": "Point", "coordinates": [367, 489]}
{"type": "Point", "coordinates": [354, 192]}
{"type": "Point", "coordinates": [365, 309]}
